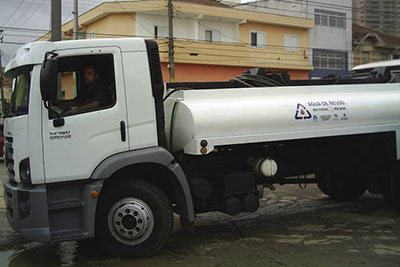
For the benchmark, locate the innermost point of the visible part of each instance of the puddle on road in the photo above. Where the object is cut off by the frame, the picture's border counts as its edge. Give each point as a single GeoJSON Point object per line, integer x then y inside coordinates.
{"type": "Point", "coordinates": [36, 254]}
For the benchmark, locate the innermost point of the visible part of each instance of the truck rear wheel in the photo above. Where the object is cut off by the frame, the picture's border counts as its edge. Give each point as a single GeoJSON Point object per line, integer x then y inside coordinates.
{"type": "Point", "coordinates": [341, 184]}
{"type": "Point", "coordinates": [134, 219]}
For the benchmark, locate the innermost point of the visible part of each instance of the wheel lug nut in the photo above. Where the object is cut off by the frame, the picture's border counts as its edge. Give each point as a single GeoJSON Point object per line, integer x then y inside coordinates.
{"type": "Point", "coordinates": [137, 229]}
{"type": "Point", "coordinates": [130, 233]}
{"type": "Point", "coordinates": [127, 210]}
{"type": "Point", "coordinates": [122, 231]}
{"type": "Point", "coordinates": [139, 221]}
{"type": "Point", "coordinates": [136, 213]}
{"type": "Point", "coordinates": [119, 214]}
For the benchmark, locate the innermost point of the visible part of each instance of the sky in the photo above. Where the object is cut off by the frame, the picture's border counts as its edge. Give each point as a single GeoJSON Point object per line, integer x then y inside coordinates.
{"type": "Point", "coordinates": [23, 21]}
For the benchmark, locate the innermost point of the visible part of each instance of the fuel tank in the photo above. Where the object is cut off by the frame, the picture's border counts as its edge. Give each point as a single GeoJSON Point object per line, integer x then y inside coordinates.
{"type": "Point", "coordinates": [252, 115]}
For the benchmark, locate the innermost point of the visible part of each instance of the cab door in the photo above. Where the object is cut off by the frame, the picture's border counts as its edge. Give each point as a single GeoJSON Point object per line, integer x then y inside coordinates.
{"type": "Point", "coordinates": [74, 144]}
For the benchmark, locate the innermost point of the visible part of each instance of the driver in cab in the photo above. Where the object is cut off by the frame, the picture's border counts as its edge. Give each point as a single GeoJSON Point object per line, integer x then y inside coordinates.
{"type": "Point", "coordinates": [92, 95]}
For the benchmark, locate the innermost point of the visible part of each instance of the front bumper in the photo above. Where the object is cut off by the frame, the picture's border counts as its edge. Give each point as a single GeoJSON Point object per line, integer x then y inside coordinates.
{"type": "Point", "coordinates": [26, 210]}
{"type": "Point", "coordinates": [53, 212]}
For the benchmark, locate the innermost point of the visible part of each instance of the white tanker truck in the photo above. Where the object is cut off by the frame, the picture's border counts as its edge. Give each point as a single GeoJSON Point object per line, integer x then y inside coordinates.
{"type": "Point", "coordinates": [119, 170]}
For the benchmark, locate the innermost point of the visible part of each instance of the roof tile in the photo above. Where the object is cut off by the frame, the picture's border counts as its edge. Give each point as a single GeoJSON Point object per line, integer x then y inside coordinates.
{"type": "Point", "coordinates": [359, 32]}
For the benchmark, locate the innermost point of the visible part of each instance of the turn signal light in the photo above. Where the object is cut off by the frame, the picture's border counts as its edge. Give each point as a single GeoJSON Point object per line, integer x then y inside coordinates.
{"type": "Point", "coordinates": [95, 194]}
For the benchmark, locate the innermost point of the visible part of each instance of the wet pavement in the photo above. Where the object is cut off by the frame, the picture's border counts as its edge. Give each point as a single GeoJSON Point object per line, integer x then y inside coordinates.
{"type": "Point", "coordinates": [293, 227]}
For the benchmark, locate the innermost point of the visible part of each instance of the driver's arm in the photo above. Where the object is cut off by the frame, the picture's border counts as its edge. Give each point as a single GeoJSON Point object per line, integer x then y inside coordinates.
{"type": "Point", "coordinates": [91, 105]}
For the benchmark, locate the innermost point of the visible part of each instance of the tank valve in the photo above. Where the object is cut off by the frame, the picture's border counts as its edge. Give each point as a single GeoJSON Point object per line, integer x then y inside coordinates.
{"type": "Point", "coordinates": [265, 167]}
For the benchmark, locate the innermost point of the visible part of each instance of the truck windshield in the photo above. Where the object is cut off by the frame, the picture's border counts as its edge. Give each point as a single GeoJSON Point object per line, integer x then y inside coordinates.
{"type": "Point", "coordinates": [20, 94]}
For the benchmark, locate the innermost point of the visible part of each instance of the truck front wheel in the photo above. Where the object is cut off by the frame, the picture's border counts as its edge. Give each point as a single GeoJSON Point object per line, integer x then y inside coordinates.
{"type": "Point", "coordinates": [341, 184]}
{"type": "Point", "coordinates": [134, 219]}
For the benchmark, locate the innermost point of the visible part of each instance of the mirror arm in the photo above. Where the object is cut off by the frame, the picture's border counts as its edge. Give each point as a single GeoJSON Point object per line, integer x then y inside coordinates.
{"type": "Point", "coordinates": [46, 56]}
{"type": "Point", "coordinates": [51, 111]}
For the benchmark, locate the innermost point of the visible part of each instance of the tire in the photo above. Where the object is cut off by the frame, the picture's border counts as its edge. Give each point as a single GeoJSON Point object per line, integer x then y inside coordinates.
{"type": "Point", "coordinates": [341, 184]}
{"type": "Point", "coordinates": [134, 219]}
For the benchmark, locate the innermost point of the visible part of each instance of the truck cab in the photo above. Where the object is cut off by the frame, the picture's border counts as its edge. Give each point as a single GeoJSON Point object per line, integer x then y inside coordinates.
{"type": "Point", "coordinates": [58, 160]}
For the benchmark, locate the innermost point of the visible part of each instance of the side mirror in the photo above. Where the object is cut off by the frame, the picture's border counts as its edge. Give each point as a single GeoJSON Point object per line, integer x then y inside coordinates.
{"type": "Point", "coordinates": [48, 79]}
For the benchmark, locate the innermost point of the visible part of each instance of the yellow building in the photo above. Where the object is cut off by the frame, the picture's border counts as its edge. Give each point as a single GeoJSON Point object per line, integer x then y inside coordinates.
{"type": "Point", "coordinates": [212, 41]}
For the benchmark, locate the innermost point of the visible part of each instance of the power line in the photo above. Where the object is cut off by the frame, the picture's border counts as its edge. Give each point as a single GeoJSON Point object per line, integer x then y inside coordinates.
{"type": "Point", "coordinates": [244, 60]}
{"type": "Point", "coordinates": [13, 43]}
{"type": "Point", "coordinates": [229, 37]}
{"type": "Point", "coordinates": [257, 59]}
{"type": "Point", "coordinates": [26, 10]}
{"type": "Point", "coordinates": [237, 44]}
{"type": "Point", "coordinates": [33, 13]}
{"type": "Point", "coordinates": [240, 42]}
{"type": "Point", "coordinates": [24, 29]}
{"type": "Point", "coordinates": [20, 35]}
{"type": "Point", "coordinates": [7, 20]}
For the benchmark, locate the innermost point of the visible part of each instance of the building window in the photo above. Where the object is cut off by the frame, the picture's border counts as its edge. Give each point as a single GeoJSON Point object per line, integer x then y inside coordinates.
{"type": "Point", "coordinates": [160, 31]}
{"type": "Point", "coordinates": [208, 36]}
{"type": "Point", "coordinates": [330, 60]}
{"type": "Point", "coordinates": [395, 56]}
{"type": "Point", "coordinates": [330, 18]}
{"type": "Point", "coordinates": [257, 39]}
{"type": "Point", "coordinates": [291, 42]}
{"type": "Point", "coordinates": [212, 36]}
{"type": "Point", "coordinates": [364, 57]}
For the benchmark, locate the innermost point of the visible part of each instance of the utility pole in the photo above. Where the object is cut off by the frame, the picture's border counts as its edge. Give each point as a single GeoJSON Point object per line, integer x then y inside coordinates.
{"type": "Point", "coordinates": [55, 20]}
{"type": "Point", "coordinates": [171, 66]}
{"type": "Point", "coordinates": [76, 25]}
{"type": "Point", "coordinates": [1, 79]}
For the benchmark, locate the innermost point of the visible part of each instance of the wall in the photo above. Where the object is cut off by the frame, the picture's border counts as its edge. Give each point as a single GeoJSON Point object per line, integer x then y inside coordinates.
{"type": "Point", "coordinates": [320, 37]}
{"type": "Point", "coordinates": [275, 52]}
{"type": "Point", "coordinates": [324, 37]}
{"type": "Point", "coordinates": [115, 25]}
{"type": "Point", "coordinates": [286, 8]}
{"type": "Point", "coordinates": [205, 73]}
{"type": "Point", "coordinates": [235, 55]}
{"type": "Point", "coordinates": [186, 27]}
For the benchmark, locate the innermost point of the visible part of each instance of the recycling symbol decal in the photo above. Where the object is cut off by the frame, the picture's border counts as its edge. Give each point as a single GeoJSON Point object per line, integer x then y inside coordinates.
{"type": "Point", "coordinates": [302, 113]}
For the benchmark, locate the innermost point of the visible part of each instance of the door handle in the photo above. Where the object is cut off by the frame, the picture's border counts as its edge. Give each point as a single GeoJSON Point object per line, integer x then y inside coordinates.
{"type": "Point", "coordinates": [123, 131]}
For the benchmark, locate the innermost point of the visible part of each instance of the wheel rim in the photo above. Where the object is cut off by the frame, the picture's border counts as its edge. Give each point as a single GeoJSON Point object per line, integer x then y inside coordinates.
{"type": "Point", "coordinates": [130, 221]}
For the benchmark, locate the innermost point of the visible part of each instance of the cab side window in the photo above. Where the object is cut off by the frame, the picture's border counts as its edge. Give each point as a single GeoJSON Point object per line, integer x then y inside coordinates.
{"type": "Point", "coordinates": [85, 84]}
